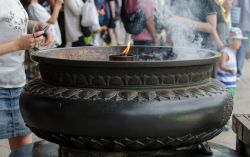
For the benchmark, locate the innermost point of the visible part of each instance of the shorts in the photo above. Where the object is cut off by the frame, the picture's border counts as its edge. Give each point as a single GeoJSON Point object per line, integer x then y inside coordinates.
{"type": "Point", "coordinates": [112, 24]}
{"type": "Point", "coordinates": [232, 91]}
{"type": "Point", "coordinates": [11, 121]}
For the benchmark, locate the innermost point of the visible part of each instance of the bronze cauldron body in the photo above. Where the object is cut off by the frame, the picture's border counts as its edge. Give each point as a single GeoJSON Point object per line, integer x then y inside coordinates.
{"type": "Point", "coordinates": [85, 101]}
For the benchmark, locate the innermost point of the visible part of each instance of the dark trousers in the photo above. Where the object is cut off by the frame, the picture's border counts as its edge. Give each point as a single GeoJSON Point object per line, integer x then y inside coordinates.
{"type": "Point", "coordinates": [144, 42]}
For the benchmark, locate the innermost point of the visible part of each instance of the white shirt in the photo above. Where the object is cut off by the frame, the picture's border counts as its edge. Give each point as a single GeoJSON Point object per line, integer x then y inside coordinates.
{"type": "Point", "coordinates": [227, 78]}
{"type": "Point", "coordinates": [72, 12]}
{"type": "Point", "coordinates": [13, 24]}
{"type": "Point", "coordinates": [39, 13]}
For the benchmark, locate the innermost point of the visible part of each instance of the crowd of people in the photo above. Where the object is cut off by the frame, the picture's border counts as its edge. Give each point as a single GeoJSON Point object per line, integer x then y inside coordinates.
{"type": "Point", "coordinates": [209, 20]}
{"type": "Point", "coordinates": [222, 25]}
{"type": "Point", "coordinates": [219, 25]}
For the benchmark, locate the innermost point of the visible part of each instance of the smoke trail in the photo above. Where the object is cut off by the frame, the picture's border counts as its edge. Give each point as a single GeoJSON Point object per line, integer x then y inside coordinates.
{"type": "Point", "coordinates": [182, 36]}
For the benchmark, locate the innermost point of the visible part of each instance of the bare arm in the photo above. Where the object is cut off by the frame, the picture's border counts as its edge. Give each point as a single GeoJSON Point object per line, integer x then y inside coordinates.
{"type": "Point", "coordinates": [207, 27]}
{"type": "Point", "coordinates": [56, 11]}
{"type": "Point", "coordinates": [212, 19]}
{"type": "Point", "coordinates": [22, 43]}
{"type": "Point", "coordinates": [148, 8]}
{"type": "Point", "coordinates": [151, 28]}
{"type": "Point", "coordinates": [8, 47]}
{"type": "Point", "coordinates": [224, 58]}
{"type": "Point", "coordinates": [200, 26]}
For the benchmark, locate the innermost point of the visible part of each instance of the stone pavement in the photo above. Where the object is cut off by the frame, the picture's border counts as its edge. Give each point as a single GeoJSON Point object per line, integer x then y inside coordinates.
{"type": "Point", "coordinates": [227, 138]}
{"type": "Point", "coordinates": [241, 106]}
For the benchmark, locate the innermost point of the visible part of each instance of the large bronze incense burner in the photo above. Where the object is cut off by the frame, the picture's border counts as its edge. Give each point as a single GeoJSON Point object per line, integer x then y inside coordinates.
{"type": "Point", "coordinates": [85, 101]}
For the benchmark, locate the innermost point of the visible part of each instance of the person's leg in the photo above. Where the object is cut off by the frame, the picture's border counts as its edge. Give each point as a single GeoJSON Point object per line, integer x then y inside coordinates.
{"type": "Point", "coordinates": [20, 141]}
{"type": "Point", "coordinates": [97, 36]}
{"type": "Point", "coordinates": [20, 134]}
{"type": "Point", "coordinates": [241, 54]}
{"type": "Point", "coordinates": [111, 34]}
{"type": "Point", "coordinates": [115, 33]}
{"type": "Point", "coordinates": [96, 39]}
{"type": "Point", "coordinates": [117, 37]}
{"type": "Point", "coordinates": [106, 37]}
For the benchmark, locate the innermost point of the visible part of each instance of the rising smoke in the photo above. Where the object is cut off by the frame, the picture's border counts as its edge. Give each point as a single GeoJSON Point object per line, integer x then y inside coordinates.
{"type": "Point", "coordinates": [182, 36]}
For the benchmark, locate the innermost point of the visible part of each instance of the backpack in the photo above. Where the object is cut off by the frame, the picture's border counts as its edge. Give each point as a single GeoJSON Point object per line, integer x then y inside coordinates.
{"type": "Point", "coordinates": [134, 22]}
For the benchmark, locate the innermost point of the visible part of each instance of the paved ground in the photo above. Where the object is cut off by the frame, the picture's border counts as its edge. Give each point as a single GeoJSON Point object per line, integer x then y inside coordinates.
{"type": "Point", "coordinates": [241, 106]}
{"type": "Point", "coordinates": [228, 138]}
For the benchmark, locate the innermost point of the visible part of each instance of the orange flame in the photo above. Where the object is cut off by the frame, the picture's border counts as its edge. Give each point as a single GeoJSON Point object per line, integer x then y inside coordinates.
{"type": "Point", "coordinates": [126, 51]}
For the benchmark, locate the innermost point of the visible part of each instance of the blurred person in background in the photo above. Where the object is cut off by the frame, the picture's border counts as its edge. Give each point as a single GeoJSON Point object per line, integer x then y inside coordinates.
{"type": "Point", "coordinates": [223, 11]}
{"type": "Point", "coordinates": [201, 16]}
{"type": "Point", "coordinates": [115, 13]}
{"type": "Point", "coordinates": [226, 11]}
{"type": "Point", "coordinates": [227, 69]}
{"type": "Point", "coordinates": [245, 27]}
{"type": "Point", "coordinates": [104, 14]}
{"type": "Point", "coordinates": [72, 13]}
{"type": "Point", "coordinates": [47, 14]}
{"type": "Point", "coordinates": [38, 13]}
{"type": "Point", "coordinates": [148, 35]}
{"type": "Point", "coordinates": [14, 40]}
{"type": "Point", "coordinates": [49, 5]}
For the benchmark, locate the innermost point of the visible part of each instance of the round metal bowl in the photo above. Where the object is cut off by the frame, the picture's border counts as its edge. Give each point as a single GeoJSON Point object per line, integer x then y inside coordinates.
{"type": "Point", "coordinates": [89, 67]}
{"type": "Point", "coordinates": [85, 101]}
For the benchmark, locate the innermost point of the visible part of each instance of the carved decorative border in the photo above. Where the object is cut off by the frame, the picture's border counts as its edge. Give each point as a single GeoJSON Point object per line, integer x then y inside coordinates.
{"type": "Point", "coordinates": [228, 110]}
{"type": "Point", "coordinates": [81, 80]}
{"type": "Point", "coordinates": [121, 144]}
{"type": "Point", "coordinates": [38, 87]}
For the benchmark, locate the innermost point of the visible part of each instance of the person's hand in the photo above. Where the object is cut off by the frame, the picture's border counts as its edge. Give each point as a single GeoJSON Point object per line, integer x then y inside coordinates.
{"type": "Point", "coordinates": [102, 12]}
{"type": "Point", "coordinates": [28, 41]}
{"type": "Point", "coordinates": [46, 40]}
{"type": "Point", "coordinates": [49, 39]}
{"type": "Point", "coordinates": [221, 46]}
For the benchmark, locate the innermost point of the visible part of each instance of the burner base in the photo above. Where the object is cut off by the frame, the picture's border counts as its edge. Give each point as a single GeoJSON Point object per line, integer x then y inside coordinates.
{"type": "Point", "coordinates": [46, 149]}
